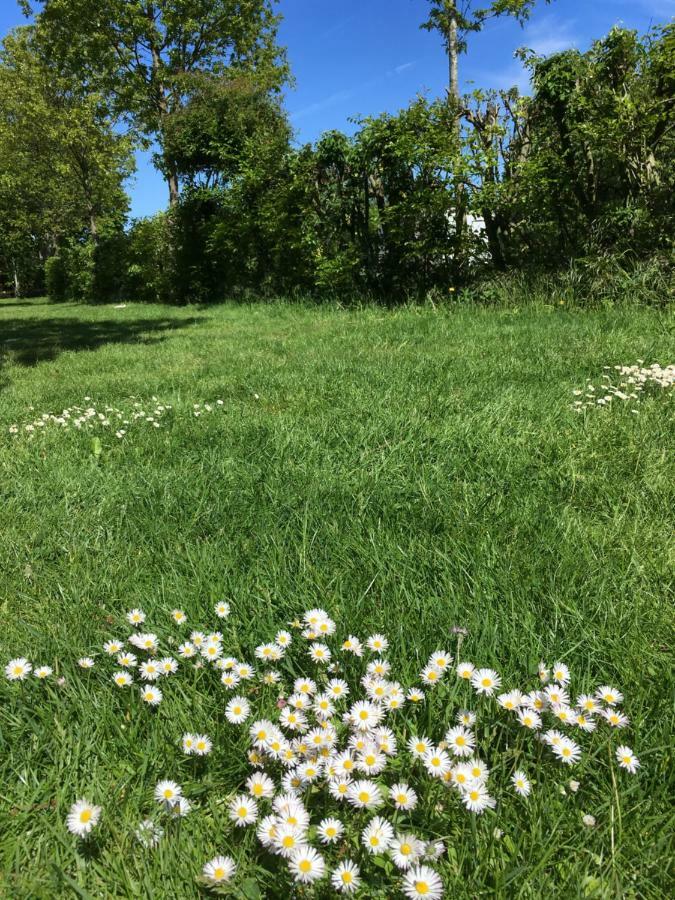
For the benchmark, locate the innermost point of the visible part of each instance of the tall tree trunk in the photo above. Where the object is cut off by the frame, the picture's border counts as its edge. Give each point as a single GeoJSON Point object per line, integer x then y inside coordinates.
{"type": "Point", "coordinates": [17, 283]}
{"type": "Point", "coordinates": [172, 181]}
{"type": "Point", "coordinates": [453, 53]}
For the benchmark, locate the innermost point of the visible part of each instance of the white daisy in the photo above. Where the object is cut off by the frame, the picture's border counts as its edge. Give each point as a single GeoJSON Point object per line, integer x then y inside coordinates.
{"type": "Point", "coordinates": [437, 762]}
{"type": "Point", "coordinates": [260, 786]}
{"type": "Point", "coordinates": [43, 672]}
{"type": "Point", "coordinates": [338, 787]}
{"type": "Point", "coordinates": [168, 665]}
{"type": "Point", "coordinates": [529, 718]}
{"type": "Point", "coordinates": [127, 660]}
{"type": "Point", "coordinates": [377, 835]}
{"type": "Point", "coordinates": [151, 695]}
{"type": "Point", "coordinates": [320, 653]}
{"type": "Point", "coordinates": [405, 850]}
{"type": "Point", "coordinates": [187, 650]}
{"type": "Point", "coordinates": [627, 759]}
{"type": "Point", "coordinates": [113, 647]}
{"type": "Point", "coordinates": [560, 673]}
{"type": "Point", "coordinates": [136, 617]}
{"type": "Point", "coordinates": [403, 796]}
{"type": "Point", "coordinates": [122, 678]}
{"type": "Point", "coordinates": [556, 694]}
{"type": "Point", "coordinates": [466, 717]}
{"type": "Point", "coordinates": [243, 810]}
{"type": "Point", "coordinates": [283, 639]}
{"type": "Point", "coordinates": [222, 609]}
{"type": "Point", "coordinates": [288, 839]}
{"type": "Point", "coordinates": [378, 643]}
{"type": "Point", "coordinates": [415, 695]}
{"type": "Point", "coordinates": [421, 881]}
{"type": "Point", "coordinates": [441, 659]}
{"type": "Point", "coordinates": [219, 870]}
{"type": "Point", "coordinates": [364, 794]}
{"type": "Point", "coordinates": [178, 616]}
{"type": "Point", "coordinates": [149, 671]}
{"type": "Point", "coordinates": [431, 675]}
{"type": "Point", "coordinates": [521, 783]}
{"type": "Point", "coordinates": [202, 745]}
{"type": "Point", "coordinates": [476, 798]}
{"type": "Point", "coordinates": [615, 717]}
{"type": "Point", "coordinates": [346, 877]}
{"type": "Point", "coordinates": [460, 741]}
{"type": "Point", "coordinates": [353, 645]}
{"type": "Point", "coordinates": [365, 715]}
{"type": "Point", "coordinates": [237, 710]}
{"type": "Point", "coordinates": [307, 865]}
{"type": "Point", "coordinates": [485, 681]}
{"type": "Point", "coordinates": [267, 830]}
{"type": "Point", "coordinates": [567, 751]}
{"type": "Point", "coordinates": [86, 662]}
{"type": "Point", "coordinates": [465, 670]}
{"type": "Point", "coordinates": [82, 818]}
{"type": "Point", "coordinates": [419, 746]}
{"type": "Point", "coordinates": [330, 830]}
{"type": "Point", "coordinates": [609, 695]}
{"type": "Point", "coordinates": [167, 792]}
{"type": "Point", "coordinates": [588, 704]}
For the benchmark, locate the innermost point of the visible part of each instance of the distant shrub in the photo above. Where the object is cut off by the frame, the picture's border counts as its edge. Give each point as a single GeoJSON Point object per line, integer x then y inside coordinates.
{"type": "Point", "coordinates": [56, 279]}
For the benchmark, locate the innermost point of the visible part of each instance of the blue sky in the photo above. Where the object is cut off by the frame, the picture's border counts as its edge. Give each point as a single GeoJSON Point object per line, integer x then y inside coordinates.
{"type": "Point", "coordinates": [362, 57]}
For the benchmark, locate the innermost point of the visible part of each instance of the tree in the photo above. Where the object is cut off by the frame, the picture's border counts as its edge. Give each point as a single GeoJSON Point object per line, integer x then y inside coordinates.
{"type": "Point", "coordinates": [456, 19]}
{"type": "Point", "coordinates": [139, 52]}
{"type": "Point", "coordinates": [62, 165]}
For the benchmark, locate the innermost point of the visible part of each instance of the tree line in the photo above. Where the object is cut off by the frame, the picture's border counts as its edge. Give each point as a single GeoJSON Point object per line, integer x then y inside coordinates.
{"type": "Point", "coordinates": [431, 200]}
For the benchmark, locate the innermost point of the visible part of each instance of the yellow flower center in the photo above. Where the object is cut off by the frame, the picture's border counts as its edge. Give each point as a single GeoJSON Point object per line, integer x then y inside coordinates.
{"type": "Point", "coordinates": [242, 812]}
{"type": "Point", "coordinates": [486, 682]}
{"type": "Point", "coordinates": [461, 740]}
{"type": "Point", "coordinates": [288, 841]}
{"type": "Point", "coordinates": [363, 715]}
{"type": "Point", "coordinates": [364, 797]}
{"type": "Point", "coordinates": [305, 866]}
{"type": "Point", "coordinates": [218, 874]}
{"type": "Point", "coordinates": [474, 795]}
{"type": "Point", "coordinates": [422, 887]}
{"type": "Point", "coordinates": [85, 815]}
{"type": "Point", "coordinates": [405, 849]}
{"type": "Point", "coordinates": [347, 877]}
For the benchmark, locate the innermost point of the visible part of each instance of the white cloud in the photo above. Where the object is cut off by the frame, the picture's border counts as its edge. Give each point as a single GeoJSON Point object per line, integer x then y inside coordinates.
{"type": "Point", "coordinates": [327, 102]}
{"type": "Point", "coordinates": [550, 35]}
{"type": "Point", "coordinates": [398, 70]}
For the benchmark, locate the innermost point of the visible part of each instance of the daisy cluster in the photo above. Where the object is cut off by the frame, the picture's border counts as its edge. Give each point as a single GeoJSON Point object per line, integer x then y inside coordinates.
{"type": "Point", "coordinates": [96, 417]}
{"type": "Point", "coordinates": [631, 382]}
{"type": "Point", "coordinates": [344, 788]}
{"type": "Point", "coordinates": [102, 418]}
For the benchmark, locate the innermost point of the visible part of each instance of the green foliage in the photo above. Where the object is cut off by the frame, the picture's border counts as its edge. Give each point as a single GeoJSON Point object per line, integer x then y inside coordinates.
{"type": "Point", "coordinates": [56, 278]}
{"type": "Point", "coordinates": [62, 165]}
{"type": "Point", "coordinates": [147, 59]}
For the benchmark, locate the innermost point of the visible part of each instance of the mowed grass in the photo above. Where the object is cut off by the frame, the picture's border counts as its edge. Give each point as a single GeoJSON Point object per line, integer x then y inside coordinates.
{"type": "Point", "coordinates": [410, 471]}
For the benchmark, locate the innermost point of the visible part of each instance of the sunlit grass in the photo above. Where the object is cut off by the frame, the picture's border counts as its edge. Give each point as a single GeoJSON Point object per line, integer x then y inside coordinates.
{"type": "Point", "coordinates": [410, 471]}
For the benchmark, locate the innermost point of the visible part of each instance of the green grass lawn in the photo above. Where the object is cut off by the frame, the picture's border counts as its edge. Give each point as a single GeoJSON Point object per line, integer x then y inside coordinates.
{"type": "Point", "coordinates": [408, 470]}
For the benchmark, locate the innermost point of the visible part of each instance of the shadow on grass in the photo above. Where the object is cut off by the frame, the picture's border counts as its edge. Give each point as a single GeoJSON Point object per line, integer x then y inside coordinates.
{"type": "Point", "coordinates": [31, 341]}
